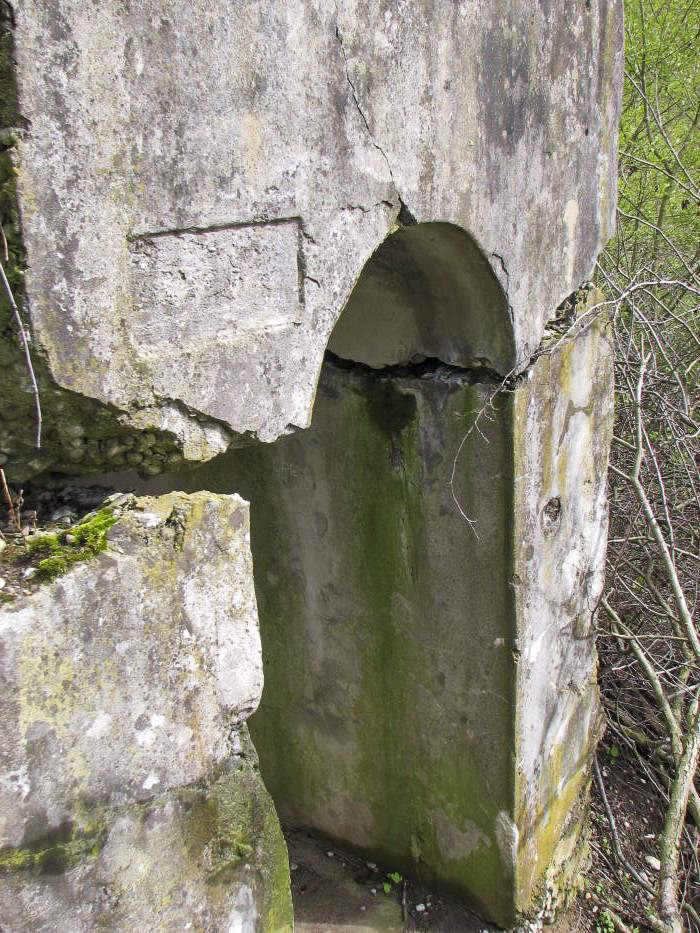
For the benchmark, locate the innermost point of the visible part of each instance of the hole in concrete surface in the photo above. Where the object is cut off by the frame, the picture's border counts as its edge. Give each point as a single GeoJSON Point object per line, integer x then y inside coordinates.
{"type": "Point", "coordinates": [551, 515]}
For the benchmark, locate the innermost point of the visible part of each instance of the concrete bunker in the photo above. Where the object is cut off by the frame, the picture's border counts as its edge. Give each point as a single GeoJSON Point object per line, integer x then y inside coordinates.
{"type": "Point", "coordinates": [437, 704]}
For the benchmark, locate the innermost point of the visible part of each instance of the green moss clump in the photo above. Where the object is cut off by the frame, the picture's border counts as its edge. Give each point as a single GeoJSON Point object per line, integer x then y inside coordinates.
{"type": "Point", "coordinates": [88, 539]}
{"type": "Point", "coordinates": [57, 855]}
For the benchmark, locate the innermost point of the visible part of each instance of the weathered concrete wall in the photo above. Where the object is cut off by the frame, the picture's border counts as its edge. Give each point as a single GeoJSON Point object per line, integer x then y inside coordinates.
{"type": "Point", "coordinates": [190, 192]}
{"type": "Point", "coordinates": [221, 171]}
{"type": "Point", "coordinates": [388, 718]}
{"type": "Point", "coordinates": [563, 418]}
{"type": "Point", "coordinates": [430, 687]}
{"type": "Point", "coordinates": [124, 690]}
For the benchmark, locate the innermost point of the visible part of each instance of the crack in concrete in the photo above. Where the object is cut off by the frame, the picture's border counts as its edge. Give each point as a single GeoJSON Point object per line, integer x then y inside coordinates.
{"type": "Point", "coordinates": [507, 287]}
{"type": "Point", "coordinates": [404, 217]}
{"type": "Point", "coordinates": [429, 368]}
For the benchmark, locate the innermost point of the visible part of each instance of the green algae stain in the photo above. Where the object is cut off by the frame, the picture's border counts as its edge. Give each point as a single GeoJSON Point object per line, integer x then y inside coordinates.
{"type": "Point", "coordinates": [58, 853]}
{"type": "Point", "coordinates": [380, 504]}
{"type": "Point", "coordinates": [78, 543]}
{"type": "Point", "coordinates": [233, 832]}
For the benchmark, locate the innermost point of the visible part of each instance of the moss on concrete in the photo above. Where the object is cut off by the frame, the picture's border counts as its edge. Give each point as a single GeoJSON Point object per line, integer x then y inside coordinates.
{"type": "Point", "coordinates": [8, 86]}
{"type": "Point", "coordinates": [341, 726]}
{"type": "Point", "coordinates": [247, 835]}
{"type": "Point", "coordinates": [57, 853]}
{"type": "Point", "coordinates": [78, 543]}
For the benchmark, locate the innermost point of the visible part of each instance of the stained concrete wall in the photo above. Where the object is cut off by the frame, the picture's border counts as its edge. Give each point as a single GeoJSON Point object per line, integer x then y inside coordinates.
{"type": "Point", "coordinates": [388, 628]}
{"type": "Point", "coordinates": [130, 794]}
{"type": "Point", "coordinates": [563, 417]}
{"type": "Point", "coordinates": [223, 170]}
{"type": "Point", "coordinates": [430, 685]}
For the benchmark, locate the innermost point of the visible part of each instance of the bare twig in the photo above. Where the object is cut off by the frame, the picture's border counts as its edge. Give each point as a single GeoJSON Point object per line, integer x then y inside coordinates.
{"type": "Point", "coordinates": [25, 345]}
{"type": "Point", "coordinates": [14, 517]}
{"type": "Point", "coordinates": [613, 830]}
{"type": "Point", "coordinates": [669, 910]}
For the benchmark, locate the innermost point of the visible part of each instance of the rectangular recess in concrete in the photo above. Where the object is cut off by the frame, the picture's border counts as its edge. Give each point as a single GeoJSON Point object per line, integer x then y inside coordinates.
{"type": "Point", "coordinates": [219, 282]}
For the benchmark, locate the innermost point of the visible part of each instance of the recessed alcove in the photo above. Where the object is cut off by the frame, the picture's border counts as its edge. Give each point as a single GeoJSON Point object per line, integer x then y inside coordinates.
{"type": "Point", "coordinates": [428, 702]}
{"type": "Point", "coordinates": [387, 619]}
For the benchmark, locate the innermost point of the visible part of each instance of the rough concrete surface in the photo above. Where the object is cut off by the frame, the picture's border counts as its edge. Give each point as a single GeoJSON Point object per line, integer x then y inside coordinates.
{"type": "Point", "coordinates": [122, 678]}
{"type": "Point", "coordinates": [130, 795]}
{"type": "Point", "coordinates": [562, 432]}
{"type": "Point", "coordinates": [208, 857]}
{"type": "Point", "coordinates": [198, 188]}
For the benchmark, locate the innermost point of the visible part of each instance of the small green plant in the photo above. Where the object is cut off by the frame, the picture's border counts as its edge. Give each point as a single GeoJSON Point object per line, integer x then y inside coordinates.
{"type": "Point", "coordinates": [391, 879]}
{"type": "Point", "coordinates": [65, 548]}
{"type": "Point", "coordinates": [605, 924]}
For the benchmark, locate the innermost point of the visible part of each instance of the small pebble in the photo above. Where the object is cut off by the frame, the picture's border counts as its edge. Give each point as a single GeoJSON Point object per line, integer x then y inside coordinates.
{"type": "Point", "coordinates": [329, 854]}
{"type": "Point", "coordinates": [372, 890]}
{"type": "Point", "coordinates": [293, 866]}
{"type": "Point", "coordinates": [649, 836]}
{"type": "Point", "coordinates": [3, 545]}
{"type": "Point", "coordinates": [2, 583]}
{"type": "Point", "coordinates": [420, 908]}
{"type": "Point", "coordinates": [117, 499]}
{"type": "Point", "coordinates": [371, 865]}
{"type": "Point", "coordinates": [653, 862]}
{"type": "Point", "coordinates": [362, 907]}
{"type": "Point", "coordinates": [29, 573]}
{"type": "Point", "coordinates": [595, 908]}
{"type": "Point", "coordinates": [70, 539]}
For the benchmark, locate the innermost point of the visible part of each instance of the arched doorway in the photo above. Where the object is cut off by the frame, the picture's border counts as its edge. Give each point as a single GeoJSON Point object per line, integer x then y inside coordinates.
{"type": "Point", "coordinates": [386, 618]}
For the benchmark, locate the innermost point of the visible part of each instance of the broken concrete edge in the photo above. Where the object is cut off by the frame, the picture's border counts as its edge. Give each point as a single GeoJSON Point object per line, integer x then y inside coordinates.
{"type": "Point", "coordinates": [85, 659]}
{"type": "Point", "coordinates": [126, 685]}
{"type": "Point", "coordinates": [132, 198]}
{"type": "Point", "coordinates": [80, 435]}
{"type": "Point", "coordinates": [224, 829]}
{"type": "Point", "coordinates": [580, 311]}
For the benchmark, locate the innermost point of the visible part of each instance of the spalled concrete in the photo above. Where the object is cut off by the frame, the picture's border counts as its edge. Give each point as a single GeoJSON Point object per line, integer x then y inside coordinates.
{"type": "Point", "coordinates": [190, 195]}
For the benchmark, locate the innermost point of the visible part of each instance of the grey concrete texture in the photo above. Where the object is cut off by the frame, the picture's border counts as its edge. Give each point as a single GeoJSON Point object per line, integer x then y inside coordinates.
{"type": "Point", "coordinates": [125, 676]}
{"type": "Point", "coordinates": [199, 186]}
{"type": "Point", "coordinates": [208, 857]}
{"type": "Point", "coordinates": [562, 431]}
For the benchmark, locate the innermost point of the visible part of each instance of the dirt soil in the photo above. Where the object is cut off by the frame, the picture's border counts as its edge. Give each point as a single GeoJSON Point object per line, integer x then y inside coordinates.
{"type": "Point", "coordinates": [335, 891]}
{"type": "Point", "coordinates": [638, 813]}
